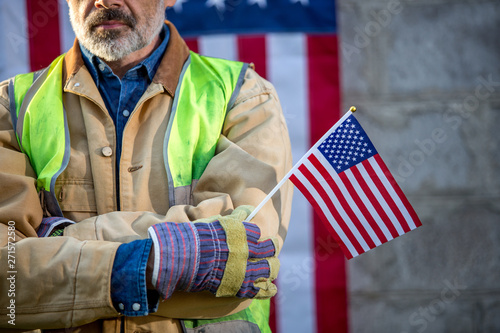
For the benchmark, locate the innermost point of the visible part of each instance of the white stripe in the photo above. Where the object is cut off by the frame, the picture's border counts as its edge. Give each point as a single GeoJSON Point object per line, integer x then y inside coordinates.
{"type": "Point", "coordinates": [296, 278]}
{"type": "Point", "coordinates": [392, 193]}
{"type": "Point", "coordinates": [156, 244]}
{"type": "Point", "coordinates": [219, 46]}
{"type": "Point", "coordinates": [14, 52]}
{"type": "Point", "coordinates": [373, 212]}
{"type": "Point", "coordinates": [348, 198]}
{"type": "Point", "coordinates": [326, 211]}
{"type": "Point", "coordinates": [331, 195]}
{"type": "Point", "coordinates": [67, 34]}
{"type": "Point", "coordinates": [380, 199]}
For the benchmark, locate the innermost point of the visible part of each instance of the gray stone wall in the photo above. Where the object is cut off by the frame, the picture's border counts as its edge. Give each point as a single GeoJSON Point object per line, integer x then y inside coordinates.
{"type": "Point", "coordinates": [425, 76]}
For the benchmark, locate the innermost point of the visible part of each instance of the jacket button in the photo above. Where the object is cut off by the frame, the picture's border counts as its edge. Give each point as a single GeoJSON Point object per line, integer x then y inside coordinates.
{"type": "Point", "coordinates": [121, 306]}
{"type": "Point", "coordinates": [136, 306]}
{"type": "Point", "coordinates": [107, 151]}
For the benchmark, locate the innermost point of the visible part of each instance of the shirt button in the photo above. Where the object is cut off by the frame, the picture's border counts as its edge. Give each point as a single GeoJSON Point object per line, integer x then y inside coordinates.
{"type": "Point", "coordinates": [136, 307]}
{"type": "Point", "coordinates": [126, 113]}
{"type": "Point", "coordinates": [102, 67]}
{"type": "Point", "coordinates": [121, 306]}
{"type": "Point", "coordinates": [107, 151]}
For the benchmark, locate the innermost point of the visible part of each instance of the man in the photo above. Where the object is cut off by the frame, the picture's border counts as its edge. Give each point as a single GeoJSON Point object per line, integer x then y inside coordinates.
{"type": "Point", "coordinates": [131, 136]}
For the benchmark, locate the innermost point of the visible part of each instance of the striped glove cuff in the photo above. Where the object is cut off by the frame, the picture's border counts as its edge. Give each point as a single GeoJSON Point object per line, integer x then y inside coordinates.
{"type": "Point", "coordinates": [53, 226]}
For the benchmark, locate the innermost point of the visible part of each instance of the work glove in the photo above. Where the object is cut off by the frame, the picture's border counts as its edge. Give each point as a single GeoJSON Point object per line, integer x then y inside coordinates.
{"type": "Point", "coordinates": [53, 226]}
{"type": "Point", "coordinates": [221, 254]}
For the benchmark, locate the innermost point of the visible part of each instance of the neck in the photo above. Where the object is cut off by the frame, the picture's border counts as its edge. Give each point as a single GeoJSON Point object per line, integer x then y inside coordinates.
{"type": "Point", "coordinates": [120, 67]}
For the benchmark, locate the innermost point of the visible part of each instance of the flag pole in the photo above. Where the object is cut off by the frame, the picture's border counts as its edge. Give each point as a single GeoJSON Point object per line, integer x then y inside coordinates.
{"type": "Point", "coordinates": [296, 166]}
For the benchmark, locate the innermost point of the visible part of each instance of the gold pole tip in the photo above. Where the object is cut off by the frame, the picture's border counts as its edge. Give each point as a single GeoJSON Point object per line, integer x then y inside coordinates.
{"type": "Point", "coordinates": [352, 109]}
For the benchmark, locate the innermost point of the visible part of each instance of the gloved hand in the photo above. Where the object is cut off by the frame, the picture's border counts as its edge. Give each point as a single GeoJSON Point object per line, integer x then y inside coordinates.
{"type": "Point", "coordinates": [53, 226]}
{"type": "Point", "coordinates": [221, 254]}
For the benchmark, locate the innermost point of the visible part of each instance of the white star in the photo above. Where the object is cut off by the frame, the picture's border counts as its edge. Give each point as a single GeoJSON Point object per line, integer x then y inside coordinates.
{"type": "Point", "coordinates": [330, 156]}
{"type": "Point", "coordinates": [346, 163]}
{"type": "Point", "coordinates": [348, 120]}
{"type": "Point", "coordinates": [220, 5]}
{"type": "Point", "coordinates": [370, 151]}
{"type": "Point", "coordinates": [262, 3]}
{"type": "Point", "coordinates": [178, 6]}
{"type": "Point", "coordinates": [357, 132]}
{"type": "Point", "coordinates": [302, 2]}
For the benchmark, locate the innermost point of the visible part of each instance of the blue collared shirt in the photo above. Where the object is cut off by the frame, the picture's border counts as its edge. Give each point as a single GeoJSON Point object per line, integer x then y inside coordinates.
{"type": "Point", "coordinates": [128, 278]}
{"type": "Point", "coordinates": [121, 96]}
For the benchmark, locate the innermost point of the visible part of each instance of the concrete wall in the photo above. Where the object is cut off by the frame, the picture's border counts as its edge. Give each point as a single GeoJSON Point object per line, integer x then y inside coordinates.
{"type": "Point", "coordinates": [425, 76]}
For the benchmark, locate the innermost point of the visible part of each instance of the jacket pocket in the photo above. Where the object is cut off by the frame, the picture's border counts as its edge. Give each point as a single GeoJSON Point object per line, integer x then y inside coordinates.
{"type": "Point", "coordinates": [76, 198]}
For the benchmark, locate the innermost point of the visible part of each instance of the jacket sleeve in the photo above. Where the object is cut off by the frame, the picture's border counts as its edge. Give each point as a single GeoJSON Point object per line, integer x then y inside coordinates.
{"type": "Point", "coordinates": [43, 279]}
{"type": "Point", "coordinates": [252, 156]}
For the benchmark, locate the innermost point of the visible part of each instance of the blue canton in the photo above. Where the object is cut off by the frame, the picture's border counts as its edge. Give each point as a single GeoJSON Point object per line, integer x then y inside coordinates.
{"type": "Point", "coordinates": [347, 145]}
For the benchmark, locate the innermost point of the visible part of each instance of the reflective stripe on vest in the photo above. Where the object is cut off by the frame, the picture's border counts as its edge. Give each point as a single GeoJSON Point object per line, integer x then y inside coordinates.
{"type": "Point", "coordinates": [207, 89]}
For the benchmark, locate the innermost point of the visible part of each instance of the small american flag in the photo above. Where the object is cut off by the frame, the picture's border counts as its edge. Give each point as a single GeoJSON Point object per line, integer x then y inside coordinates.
{"type": "Point", "coordinates": [352, 190]}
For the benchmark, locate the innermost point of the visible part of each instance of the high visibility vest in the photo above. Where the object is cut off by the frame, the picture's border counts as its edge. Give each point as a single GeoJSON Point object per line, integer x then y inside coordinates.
{"type": "Point", "coordinates": [207, 89]}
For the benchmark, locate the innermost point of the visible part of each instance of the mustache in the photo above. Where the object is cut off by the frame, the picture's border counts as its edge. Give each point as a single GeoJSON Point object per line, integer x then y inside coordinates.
{"type": "Point", "coordinates": [103, 15]}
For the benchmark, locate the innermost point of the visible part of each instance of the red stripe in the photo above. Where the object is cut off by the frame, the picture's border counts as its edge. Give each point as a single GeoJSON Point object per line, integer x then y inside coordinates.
{"type": "Point", "coordinates": [343, 202]}
{"type": "Point", "coordinates": [364, 210]}
{"type": "Point", "coordinates": [324, 110]}
{"type": "Point", "coordinates": [328, 201]}
{"type": "Point", "coordinates": [320, 213]}
{"type": "Point", "coordinates": [398, 190]}
{"type": "Point", "coordinates": [192, 43]}
{"type": "Point", "coordinates": [252, 49]}
{"type": "Point", "coordinates": [374, 201]}
{"type": "Point", "coordinates": [43, 32]}
{"type": "Point", "coordinates": [386, 196]}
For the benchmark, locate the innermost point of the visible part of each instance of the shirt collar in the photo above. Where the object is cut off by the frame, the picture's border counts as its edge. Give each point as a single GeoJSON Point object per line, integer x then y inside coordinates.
{"type": "Point", "coordinates": [151, 63]}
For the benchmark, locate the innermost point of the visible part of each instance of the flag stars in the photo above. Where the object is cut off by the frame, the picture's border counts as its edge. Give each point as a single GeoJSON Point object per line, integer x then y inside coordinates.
{"type": "Point", "coordinates": [262, 3]}
{"type": "Point", "coordinates": [178, 5]}
{"type": "Point", "coordinates": [220, 5]}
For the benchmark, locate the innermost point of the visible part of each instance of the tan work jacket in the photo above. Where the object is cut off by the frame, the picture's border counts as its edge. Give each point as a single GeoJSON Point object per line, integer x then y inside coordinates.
{"type": "Point", "coordinates": [65, 281]}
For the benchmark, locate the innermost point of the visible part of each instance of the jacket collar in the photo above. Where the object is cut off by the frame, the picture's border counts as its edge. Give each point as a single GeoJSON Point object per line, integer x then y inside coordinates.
{"type": "Point", "coordinates": [167, 74]}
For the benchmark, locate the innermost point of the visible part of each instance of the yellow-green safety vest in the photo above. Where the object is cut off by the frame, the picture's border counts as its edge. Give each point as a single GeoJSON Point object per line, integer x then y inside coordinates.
{"type": "Point", "coordinates": [207, 89]}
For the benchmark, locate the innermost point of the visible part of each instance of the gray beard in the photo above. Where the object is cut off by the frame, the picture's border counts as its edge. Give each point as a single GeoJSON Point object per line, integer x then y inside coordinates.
{"type": "Point", "coordinates": [115, 45]}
